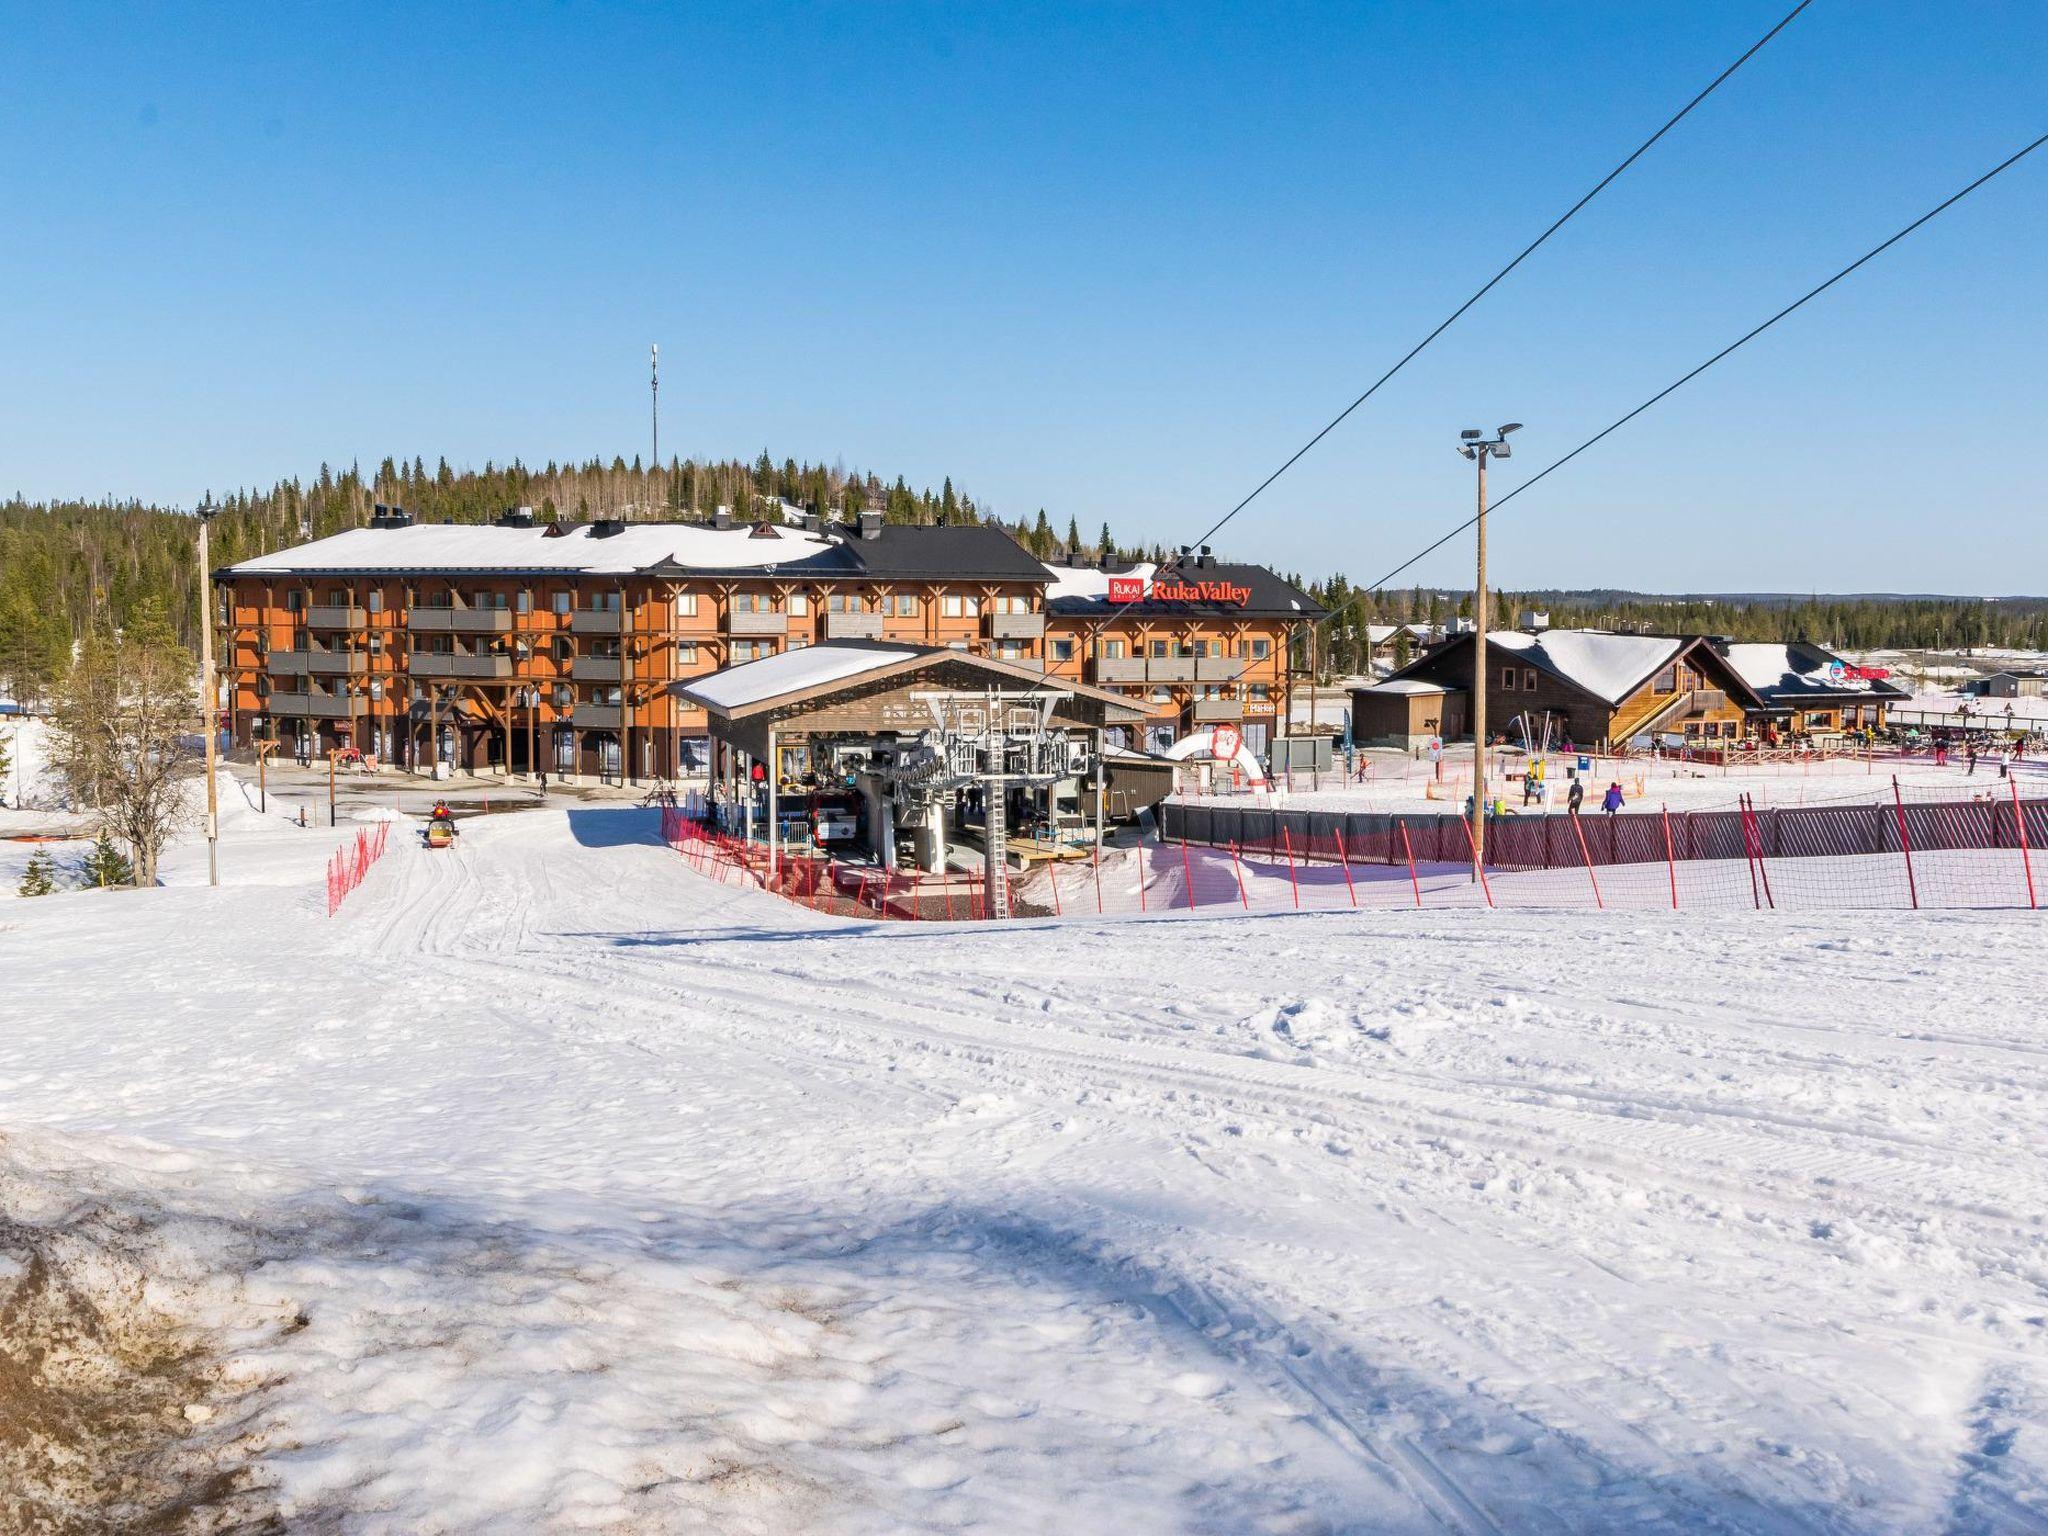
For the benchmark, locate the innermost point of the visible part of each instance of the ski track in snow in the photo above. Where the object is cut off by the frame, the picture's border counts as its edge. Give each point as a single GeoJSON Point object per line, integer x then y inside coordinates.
{"type": "Point", "coordinates": [611, 1197]}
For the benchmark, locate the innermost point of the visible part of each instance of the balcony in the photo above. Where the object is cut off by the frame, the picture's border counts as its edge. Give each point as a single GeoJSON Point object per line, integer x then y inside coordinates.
{"type": "Point", "coordinates": [853, 626]}
{"type": "Point", "coordinates": [598, 717]}
{"type": "Point", "coordinates": [448, 664]}
{"type": "Point", "coordinates": [1170, 669]}
{"type": "Point", "coordinates": [337, 663]}
{"type": "Point", "coordinates": [596, 669]}
{"type": "Point", "coordinates": [1209, 710]}
{"type": "Point", "coordinates": [1016, 626]}
{"type": "Point", "coordinates": [331, 616]}
{"type": "Point", "coordinates": [741, 623]}
{"type": "Point", "coordinates": [1218, 669]}
{"type": "Point", "coordinates": [286, 663]}
{"type": "Point", "coordinates": [1120, 669]}
{"type": "Point", "coordinates": [596, 621]}
{"type": "Point", "coordinates": [319, 706]}
{"type": "Point", "coordinates": [459, 621]}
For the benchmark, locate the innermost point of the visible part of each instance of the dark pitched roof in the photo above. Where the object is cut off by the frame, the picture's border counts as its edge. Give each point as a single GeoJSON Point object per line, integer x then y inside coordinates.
{"type": "Point", "coordinates": [972, 550]}
{"type": "Point", "coordinates": [1267, 594]}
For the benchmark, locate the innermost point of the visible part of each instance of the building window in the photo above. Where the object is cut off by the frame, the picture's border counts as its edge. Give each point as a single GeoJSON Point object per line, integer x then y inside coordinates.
{"type": "Point", "coordinates": [686, 605]}
{"type": "Point", "coordinates": [1063, 650]}
{"type": "Point", "coordinates": [1159, 650]}
{"type": "Point", "coordinates": [960, 605]}
{"type": "Point", "coordinates": [1260, 692]}
{"type": "Point", "coordinates": [1112, 649]}
{"type": "Point", "coordinates": [601, 602]}
{"type": "Point", "coordinates": [1667, 681]}
{"type": "Point", "coordinates": [375, 600]}
{"type": "Point", "coordinates": [1529, 681]}
{"type": "Point", "coordinates": [563, 650]}
{"type": "Point", "coordinates": [1507, 679]}
{"type": "Point", "coordinates": [686, 653]}
{"type": "Point", "coordinates": [1011, 650]}
{"type": "Point", "coordinates": [559, 601]}
{"type": "Point", "coordinates": [1161, 695]}
{"type": "Point", "coordinates": [525, 603]}
{"type": "Point", "coordinates": [799, 605]}
{"type": "Point", "coordinates": [907, 605]}
{"type": "Point", "coordinates": [295, 601]}
{"type": "Point", "coordinates": [1011, 605]}
{"type": "Point", "coordinates": [564, 698]}
{"type": "Point", "coordinates": [797, 642]}
{"type": "Point", "coordinates": [1261, 649]}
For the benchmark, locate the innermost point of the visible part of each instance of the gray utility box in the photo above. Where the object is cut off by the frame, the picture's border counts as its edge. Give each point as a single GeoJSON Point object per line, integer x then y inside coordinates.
{"type": "Point", "coordinates": [1302, 754]}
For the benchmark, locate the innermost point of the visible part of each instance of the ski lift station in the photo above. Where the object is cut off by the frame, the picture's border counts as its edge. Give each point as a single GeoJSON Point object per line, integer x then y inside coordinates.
{"type": "Point", "coordinates": [918, 754]}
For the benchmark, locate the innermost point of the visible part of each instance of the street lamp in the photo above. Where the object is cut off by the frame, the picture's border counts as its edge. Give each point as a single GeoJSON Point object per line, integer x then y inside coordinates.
{"type": "Point", "coordinates": [1478, 447]}
{"type": "Point", "coordinates": [209, 702]}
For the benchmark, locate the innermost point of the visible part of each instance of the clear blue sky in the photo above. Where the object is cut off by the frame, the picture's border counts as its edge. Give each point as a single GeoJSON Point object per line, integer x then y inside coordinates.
{"type": "Point", "coordinates": [1116, 261]}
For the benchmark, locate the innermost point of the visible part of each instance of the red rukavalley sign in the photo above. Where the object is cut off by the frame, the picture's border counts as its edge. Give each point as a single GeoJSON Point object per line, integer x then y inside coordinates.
{"type": "Point", "coordinates": [1135, 589]}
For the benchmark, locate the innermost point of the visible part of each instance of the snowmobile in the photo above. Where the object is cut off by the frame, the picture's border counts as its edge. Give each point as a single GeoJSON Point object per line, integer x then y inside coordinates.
{"type": "Point", "coordinates": [440, 831]}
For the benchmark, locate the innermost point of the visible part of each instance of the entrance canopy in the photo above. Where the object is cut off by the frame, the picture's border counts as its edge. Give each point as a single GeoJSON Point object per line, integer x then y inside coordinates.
{"type": "Point", "coordinates": [857, 687]}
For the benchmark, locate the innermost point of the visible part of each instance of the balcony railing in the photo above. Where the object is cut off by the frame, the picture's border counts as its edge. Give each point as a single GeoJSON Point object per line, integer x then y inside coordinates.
{"type": "Point", "coordinates": [739, 622]}
{"type": "Point", "coordinates": [853, 626]}
{"type": "Point", "coordinates": [1170, 669]}
{"type": "Point", "coordinates": [447, 664]}
{"type": "Point", "coordinates": [285, 663]}
{"type": "Point", "coordinates": [1207, 710]}
{"type": "Point", "coordinates": [1016, 626]}
{"type": "Point", "coordinates": [596, 621]}
{"type": "Point", "coordinates": [1120, 669]}
{"type": "Point", "coordinates": [320, 706]}
{"type": "Point", "coordinates": [598, 717]}
{"type": "Point", "coordinates": [460, 621]}
{"type": "Point", "coordinates": [595, 669]}
{"type": "Point", "coordinates": [337, 663]}
{"type": "Point", "coordinates": [1218, 669]}
{"type": "Point", "coordinates": [335, 616]}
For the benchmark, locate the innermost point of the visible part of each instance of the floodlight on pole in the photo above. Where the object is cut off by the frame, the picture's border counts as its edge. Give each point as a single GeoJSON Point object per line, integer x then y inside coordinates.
{"type": "Point", "coordinates": [1478, 447]}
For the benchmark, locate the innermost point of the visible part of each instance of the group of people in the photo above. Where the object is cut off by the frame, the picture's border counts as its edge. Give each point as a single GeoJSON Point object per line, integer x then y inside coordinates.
{"type": "Point", "coordinates": [1534, 789]}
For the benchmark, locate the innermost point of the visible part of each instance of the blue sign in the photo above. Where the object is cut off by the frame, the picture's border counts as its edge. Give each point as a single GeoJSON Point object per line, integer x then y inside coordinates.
{"type": "Point", "coordinates": [1585, 765]}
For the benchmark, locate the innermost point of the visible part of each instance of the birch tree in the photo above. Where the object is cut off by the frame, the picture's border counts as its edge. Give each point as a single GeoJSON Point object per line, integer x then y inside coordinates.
{"type": "Point", "coordinates": [121, 727]}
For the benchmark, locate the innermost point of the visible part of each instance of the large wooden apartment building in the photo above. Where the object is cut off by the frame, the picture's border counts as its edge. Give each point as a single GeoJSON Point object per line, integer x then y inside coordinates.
{"type": "Point", "coordinates": [515, 645]}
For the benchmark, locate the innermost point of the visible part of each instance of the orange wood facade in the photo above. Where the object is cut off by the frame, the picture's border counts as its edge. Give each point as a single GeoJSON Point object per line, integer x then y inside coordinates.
{"type": "Point", "coordinates": [574, 672]}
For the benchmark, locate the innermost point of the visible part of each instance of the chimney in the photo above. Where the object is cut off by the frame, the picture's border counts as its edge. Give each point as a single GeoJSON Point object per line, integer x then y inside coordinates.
{"type": "Point", "coordinates": [1205, 559]}
{"type": "Point", "coordinates": [722, 518]}
{"type": "Point", "coordinates": [871, 525]}
{"type": "Point", "coordinates": [1108, 557]}
{"type": "Point", "coordinates": [516, 517]}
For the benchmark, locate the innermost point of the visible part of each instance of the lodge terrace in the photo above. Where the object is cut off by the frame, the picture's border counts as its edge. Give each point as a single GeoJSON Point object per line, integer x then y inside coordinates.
{"type": "Point", "coordinates": [518, 646]}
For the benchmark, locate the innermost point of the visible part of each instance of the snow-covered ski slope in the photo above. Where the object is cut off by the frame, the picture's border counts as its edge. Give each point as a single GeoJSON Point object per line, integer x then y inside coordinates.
{"type": "Point", "coordinates": [559, 1189]}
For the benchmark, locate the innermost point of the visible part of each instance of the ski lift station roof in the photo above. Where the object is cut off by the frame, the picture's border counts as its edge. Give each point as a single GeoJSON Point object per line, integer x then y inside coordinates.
{"type": "Point", "coordinates": [866, 687]}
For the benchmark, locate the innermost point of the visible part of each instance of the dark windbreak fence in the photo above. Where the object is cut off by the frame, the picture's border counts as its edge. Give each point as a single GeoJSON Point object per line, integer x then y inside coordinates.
{"type": "Point", "coordinates": [1554, 842]}
{"type": "Point", "coordinates": [1928, 852]}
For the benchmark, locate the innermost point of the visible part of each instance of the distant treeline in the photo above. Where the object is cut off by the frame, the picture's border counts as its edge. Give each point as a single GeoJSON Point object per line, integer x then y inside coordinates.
{"type": "Point", "coordinates": [70, 568]}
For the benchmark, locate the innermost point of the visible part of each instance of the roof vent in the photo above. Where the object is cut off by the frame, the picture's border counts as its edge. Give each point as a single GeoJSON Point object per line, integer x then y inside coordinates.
{"type": "Point", "coordinates": [1108, 557]}
{"type": "Point", "coordinates": [607, 527]}
{"type": "Point", "coordinates": [722, 517]}
{"type": "Point", "coordinates": [516, 517]}
{"type": "Point", "coordinates": [1205, 559]}
{"type": "Point", "coordinates": [382, 516]}
{"type": "Point", "coordinates": [871, 525]}
{"type": "Point", "coordinates": [763, 530]}
{"type": "Point", "coordinates": [557, 530]}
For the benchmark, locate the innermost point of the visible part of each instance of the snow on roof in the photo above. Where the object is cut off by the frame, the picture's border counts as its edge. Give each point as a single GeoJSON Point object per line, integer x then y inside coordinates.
{"type": "Point", "coordinates": [756, 682]}
{"type": "Point", "coordinates": [1605, 665]}
{"type": "Point", "coordinates": [1405, 685]}
{"type": "Point", "coordinates": [1773, 669]}
{"type": "Point", "coordinates": [485, 547]}
{"type": "Point", "coordinates": [1089, 581]}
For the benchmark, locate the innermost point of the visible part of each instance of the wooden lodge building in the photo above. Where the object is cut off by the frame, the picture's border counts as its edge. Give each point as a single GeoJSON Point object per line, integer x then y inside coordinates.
{"type": "Point", "coordinates": [1604, 689]}
{"type": "Point", "coordinates": [516, 644]}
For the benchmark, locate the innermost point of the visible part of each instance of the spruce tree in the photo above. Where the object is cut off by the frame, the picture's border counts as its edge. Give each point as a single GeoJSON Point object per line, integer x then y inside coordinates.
{"type": "Point", "coordinates": [105, 865]}
{"type": "Point", "coordinates": [40, 878]}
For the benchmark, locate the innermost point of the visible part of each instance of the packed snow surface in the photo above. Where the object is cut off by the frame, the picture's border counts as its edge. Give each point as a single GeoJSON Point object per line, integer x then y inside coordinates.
{"type": "Point", "coordinates": [550, 1187]}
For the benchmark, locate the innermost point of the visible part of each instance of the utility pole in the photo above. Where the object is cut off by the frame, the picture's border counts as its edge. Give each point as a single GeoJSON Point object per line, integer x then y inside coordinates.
{"type": "Point", "coordinates": [654, 399]}
{"type": "Point", "coordinates": [209, 692]}
{"type": "Point", "coordinates": [1477, 447]}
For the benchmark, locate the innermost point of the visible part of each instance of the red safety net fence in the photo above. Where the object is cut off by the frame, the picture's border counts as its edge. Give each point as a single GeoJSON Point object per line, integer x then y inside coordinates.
{"type": "Point", "coordinates": [1922, 852]}
{"type": "Point", "coordinates": [821, 882]}
{"type": "Point", "coordinates": [351, 862]}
